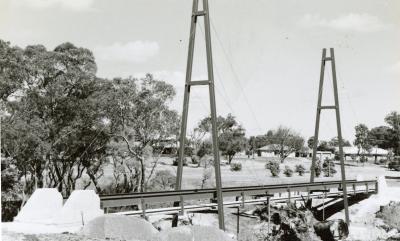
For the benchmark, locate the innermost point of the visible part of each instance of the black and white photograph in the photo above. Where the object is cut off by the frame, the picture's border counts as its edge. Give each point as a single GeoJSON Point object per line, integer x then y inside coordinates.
{"type": "Point", "coordinates": [200, 120]}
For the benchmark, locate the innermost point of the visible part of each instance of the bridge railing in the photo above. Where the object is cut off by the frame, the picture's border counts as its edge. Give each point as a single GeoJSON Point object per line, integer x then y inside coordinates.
{"type": "Point", "coordinates": [129, 199]}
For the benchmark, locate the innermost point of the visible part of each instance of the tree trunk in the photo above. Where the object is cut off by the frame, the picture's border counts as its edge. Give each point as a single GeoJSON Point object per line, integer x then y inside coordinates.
{"type": "Point", "coordinates": [142, 176]}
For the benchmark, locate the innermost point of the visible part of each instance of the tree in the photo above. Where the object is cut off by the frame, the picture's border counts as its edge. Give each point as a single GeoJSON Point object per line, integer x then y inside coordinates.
{"type": "Point", "coordinates": [140, 120]}
{"type": "Point", "coordinates": [310, 142]}
{"type": "Point", "coordinates": [231, 135]}
{"type": "Point", "coordinates": [334, 142]}
{"type": "Point", "coordinates": [54, 130]}
{"type": "Point", "coordinates": [382, 137]}
{"type": "Point", "coordinates": [362, 141]}
{"type": "Point", "coordinates": [286, 140]}
{"type": "Point", "coordinates": [13, 69]}
{"type": "Point", "coordinates": [393, 120]}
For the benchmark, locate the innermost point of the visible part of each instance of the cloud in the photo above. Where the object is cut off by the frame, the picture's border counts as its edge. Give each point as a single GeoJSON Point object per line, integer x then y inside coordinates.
{"type": "Point", "coordinates": [350, 22]}
{"type": "Point", "coordinates": [74, 5]}
{"type": "Point", "coordinates": [394, 68]}
{"type": "Point", "coordinates": [136, 52]}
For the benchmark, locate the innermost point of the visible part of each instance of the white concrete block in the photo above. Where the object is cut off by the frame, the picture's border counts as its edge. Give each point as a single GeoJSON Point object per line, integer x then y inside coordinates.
{"type": "Point", "coordinates": [81, 207]}
{"type": "Point", "coordinates": [41, 206]}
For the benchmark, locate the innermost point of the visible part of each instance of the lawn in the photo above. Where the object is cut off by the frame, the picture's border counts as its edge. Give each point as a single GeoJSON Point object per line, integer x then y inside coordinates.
{"type": "Point", "coordinates": [254, 173]}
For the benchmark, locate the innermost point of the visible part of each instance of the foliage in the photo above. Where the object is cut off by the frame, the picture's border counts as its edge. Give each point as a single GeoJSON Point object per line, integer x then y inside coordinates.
{"type": "Point", "coordinates": [162, 180]}
{"type": "Point", "coordinates": [54, 123]}
{"type": "Point", "coordinates": [236, 167]}
{"type": "Point", "coordinates": [287, 141]}
{"type": "Point", "coordinates": [205, 148]}
{"type": "Point", "coordinates": [231, 135]}
{"type": "Point", "coordinates": [393, 120]}
{"type": "Point", "coordinates": [382, 137]}
{"type": "Point", "coordinates": [362, 140]}
{"type": "Point", "coordinates": [317, 168]}
{"type": "Point", "coordinates": [288, 171]}
{"type": "Point", "coordinates": [310, 142]}
{"type": "Point", "coordinates": [324, 146]}
{"type": "Point", "coordinates": [394, 164]}
{"type": "Point", "coordinates": [195, 159]}
{"type": "Point", "coordinates": [274, 168]}
{"type": "Point", "coordinates": [139, 119]}
{"type": "Point", "coordinates": [176, 160]}
{"type": "Point", "coordinates": [63, 122]}
{"type": "Point", "coordinates": [334, 142]}
{"type": "Point", "coordinates": [328, 167]}
{"type": "Point", "coordinates": [206, 178]}
{"type": "Point", "coordinates": [11, 190]}
{"type": "Point", "coordinates": [300, 169]}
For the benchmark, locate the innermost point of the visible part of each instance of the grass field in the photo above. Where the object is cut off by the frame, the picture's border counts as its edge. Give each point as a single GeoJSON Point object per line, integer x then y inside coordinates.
{"type": "Point", "coordinates": [254, 173]}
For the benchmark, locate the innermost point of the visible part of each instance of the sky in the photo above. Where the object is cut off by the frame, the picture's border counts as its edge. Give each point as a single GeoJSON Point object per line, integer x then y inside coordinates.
{"type": "Point", "coordinates": [266, 53]}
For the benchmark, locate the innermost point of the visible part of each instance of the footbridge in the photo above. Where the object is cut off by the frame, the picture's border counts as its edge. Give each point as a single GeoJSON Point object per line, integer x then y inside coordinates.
{"type": "Point", "coordinates": [234, 196]}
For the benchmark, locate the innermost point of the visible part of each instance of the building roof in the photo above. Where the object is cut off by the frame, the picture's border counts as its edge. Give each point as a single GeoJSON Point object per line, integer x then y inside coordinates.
{"type": "Point", "coordinates": [272, 147]}
{"type": "Point", "coordinates": [352, 150]}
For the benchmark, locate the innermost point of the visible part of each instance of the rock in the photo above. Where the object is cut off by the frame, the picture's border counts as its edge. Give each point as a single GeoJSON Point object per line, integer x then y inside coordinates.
{"type": "Point", "coordinates": [394, 238]}
{"type": "Point", "coordinates": [112, 226]}
{"type": "Point", "coordinates": [41, 206]}
{"type": "Point", "coordinates": [194, 233]}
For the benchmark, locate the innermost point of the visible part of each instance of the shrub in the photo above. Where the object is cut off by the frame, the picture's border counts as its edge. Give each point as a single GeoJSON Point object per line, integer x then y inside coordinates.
{"type": "Point", "coordinates": [300, 169]}
{"type": "Point", "coordinates": [288, 171]}
{"type": "Point", "coordinates": [317, 168]}
{"type": "Point", "coordinates": [162, 180]}
{"type": "Point", "coordinates": [195, 159]}
{"type": "Point", "coordinates": [273, 166]}
{"type": "Point", "coordinates": [206, 161]}
{"type": "Point", "coordinates": [394, 164]}
{"type": "Point", "coordinates": [11, 188]}
{"type": "Point", "coordinates": [175, 162]}
{"type": "Point", "coordinates": [363, 159]}
{"type": "Point", "coordinates": [236, 167]}
{"type": "Point", "coordinates": [382, 161]}
{"type": "Point", "coordinates": [328, 167]}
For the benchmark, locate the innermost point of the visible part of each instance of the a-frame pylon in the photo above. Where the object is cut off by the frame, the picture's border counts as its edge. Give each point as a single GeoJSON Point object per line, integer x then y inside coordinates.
{"type": "Point", "coordinates": [339, 129]}
{"type": "Point", "coordinates": [210, 82]}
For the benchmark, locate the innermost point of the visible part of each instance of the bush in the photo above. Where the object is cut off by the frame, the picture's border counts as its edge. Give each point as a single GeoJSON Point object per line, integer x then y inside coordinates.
{"type": "Point", "coordinates": [363, 159]}
{"type": "Point", "coordinates": [236, 167]}
{"type": "Point", "coordinates": [300, 169]}
{"type": "Point", "coordinates": [394, 164]}
{"type": "Point", "coordinates": [11, 188]}
{"type": "Point", "coordinates": [328, 167]}
{"type": "Point", "coordinates": [175, 162]}
{"type": "Point", "coordinates": [288, 171]}
{"type": "Point", "coordinates": [317, 168]}
{"type": "Point", "coordinates": [162, 180]}
{"type": "Point", "coordinates": [382, 161]}
{"type": "Point", "coordinates": [273, 166]}
{"type": "Point", "coordinates": [195, 159]}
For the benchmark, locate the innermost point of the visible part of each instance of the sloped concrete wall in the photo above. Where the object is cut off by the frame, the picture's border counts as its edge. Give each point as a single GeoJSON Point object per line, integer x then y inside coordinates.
{"type": "Point", "coordinates": [41, 206]}
{"type": "Point", "coordinates": [81, 207]}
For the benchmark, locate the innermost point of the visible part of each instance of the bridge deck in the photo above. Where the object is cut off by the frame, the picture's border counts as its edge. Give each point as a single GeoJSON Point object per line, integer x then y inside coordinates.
{"type": "Point", "coordinates": [119, 200]}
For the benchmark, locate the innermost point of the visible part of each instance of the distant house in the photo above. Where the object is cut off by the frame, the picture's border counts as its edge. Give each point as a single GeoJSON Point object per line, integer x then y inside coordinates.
{"type": "Point", "coordinates": [272, 150]}
{"type": "Point", "coordinates": [352, 153]}
{"type": "Point", "coordinates": [322, 155]}
{"type": "Point", "coordinates": [304, 152]}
